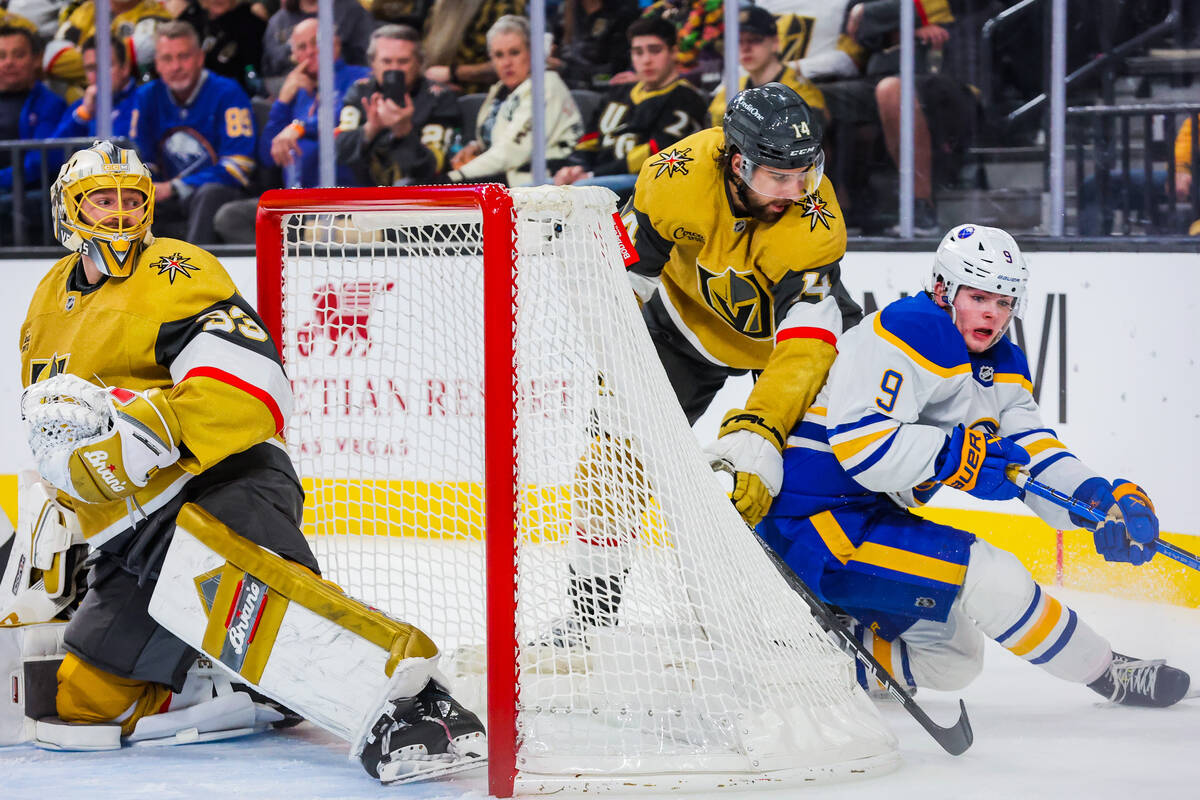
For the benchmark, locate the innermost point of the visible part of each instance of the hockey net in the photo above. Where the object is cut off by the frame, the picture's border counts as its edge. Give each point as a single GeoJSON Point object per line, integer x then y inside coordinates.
{"type": "Point", "coordinates": [453, 345]}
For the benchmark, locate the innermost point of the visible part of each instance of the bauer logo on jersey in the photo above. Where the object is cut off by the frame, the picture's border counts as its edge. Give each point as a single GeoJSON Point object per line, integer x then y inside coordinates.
{"type": "Point", "coordinates": [738, 299]}
{"type": "Point", "coordinates": [174, 265]}
{"type": "Point", "coordinates": [816, 209]}
{"type": "Point", "coordinates": [670, 162]}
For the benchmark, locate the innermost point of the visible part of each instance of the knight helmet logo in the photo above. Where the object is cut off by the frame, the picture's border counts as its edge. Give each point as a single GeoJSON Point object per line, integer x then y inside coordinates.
{"type": "Point", "coordinates": [738, 299]}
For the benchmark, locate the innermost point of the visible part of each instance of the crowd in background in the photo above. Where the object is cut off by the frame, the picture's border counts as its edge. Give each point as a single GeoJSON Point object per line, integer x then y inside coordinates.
{"type": "Point", "coordinates": [220, 97]}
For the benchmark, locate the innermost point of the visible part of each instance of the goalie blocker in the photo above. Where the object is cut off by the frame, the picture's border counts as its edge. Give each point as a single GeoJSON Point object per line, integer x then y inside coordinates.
{"type": "Point", "coordinates": [301, 641]}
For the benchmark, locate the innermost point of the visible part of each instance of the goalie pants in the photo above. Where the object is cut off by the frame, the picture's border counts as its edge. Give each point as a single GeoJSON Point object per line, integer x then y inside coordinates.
{"type": "Point", "coordinates": [256, 493]}
{"type": "Point", "coordinates": [926, 595]}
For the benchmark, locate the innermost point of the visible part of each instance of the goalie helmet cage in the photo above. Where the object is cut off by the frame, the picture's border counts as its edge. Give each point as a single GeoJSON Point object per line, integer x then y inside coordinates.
{"type": "Point", "coordinates": [451, 344]}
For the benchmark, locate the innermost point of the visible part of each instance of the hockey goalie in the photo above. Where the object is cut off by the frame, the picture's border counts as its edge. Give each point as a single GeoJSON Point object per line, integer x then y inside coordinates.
{"type": "Point", "coordinates": [154, 405]}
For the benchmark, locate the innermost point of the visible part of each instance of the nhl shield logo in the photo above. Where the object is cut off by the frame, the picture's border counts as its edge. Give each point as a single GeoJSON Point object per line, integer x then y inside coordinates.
{"type": "Point", "coordinates": [738, 299]}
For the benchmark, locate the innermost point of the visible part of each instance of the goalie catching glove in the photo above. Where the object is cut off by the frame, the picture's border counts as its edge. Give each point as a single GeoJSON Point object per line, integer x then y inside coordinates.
{"type": "Point", "coordinates": [752, 447]}
{"type": "Point", "coordinates": [98, 444]}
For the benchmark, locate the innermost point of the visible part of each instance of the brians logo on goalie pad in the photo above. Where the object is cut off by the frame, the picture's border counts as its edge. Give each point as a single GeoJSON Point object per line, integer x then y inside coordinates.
{"type": "Point", "coordinates": [99, 461]}
{"type": "Point", "coordinates": [242, 622]}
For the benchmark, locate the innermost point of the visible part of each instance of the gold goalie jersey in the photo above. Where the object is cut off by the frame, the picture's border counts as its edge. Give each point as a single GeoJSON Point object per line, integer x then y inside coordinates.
{"type": "Point", "coordinates": [177, 324]}
{"type": "Point", "coordinates": [725, 279]}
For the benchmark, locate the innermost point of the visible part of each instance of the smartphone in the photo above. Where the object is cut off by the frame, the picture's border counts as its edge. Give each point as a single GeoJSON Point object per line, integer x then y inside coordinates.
{"type": "Point", "coordinates": [393, 86]}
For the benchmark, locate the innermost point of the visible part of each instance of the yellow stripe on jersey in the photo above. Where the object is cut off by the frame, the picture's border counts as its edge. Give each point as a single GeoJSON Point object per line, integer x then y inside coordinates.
{"type": "Point", "coordinates": [918, 359]}
{"type": "Point", "coordinates": [847, 450]}
{"type": "Point", "coordinates": [834, 537]}
{"type": "Point", "coordinates": [1038, 633]}
{"type": "Point", "coordinates": [882, 650]}
{"type": "Point", "coordinates": [1013, 377]}
{"type": "Point", "coordinates": [935, 569]}
{"type": "Point", "coordinates": [1043, 445]}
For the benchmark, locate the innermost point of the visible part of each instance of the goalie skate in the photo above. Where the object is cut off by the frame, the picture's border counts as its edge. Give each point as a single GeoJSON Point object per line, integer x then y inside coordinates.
{"type": "Point", "coordinates": [423, 737]}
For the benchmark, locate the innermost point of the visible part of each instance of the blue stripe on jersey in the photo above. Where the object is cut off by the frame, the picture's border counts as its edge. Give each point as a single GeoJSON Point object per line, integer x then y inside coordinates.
{"type": "Point", "coordinates": [1019, 436]}
{"type": "Point", "coordinates": [904, 666]}
{"type": "Point", "coordinates": [918, 322]}
{"type": "Point", "coordinates": [872, 459]}
{"type": "Point", "coordinates": [869, 419]}
{"type": "Point", "coordinates": [1060, 644]}
{"type": "Point", "coordinates": [1008, 358]}
{"type": "Point", "coordinates": [1037, 596]}
{"type": "Point", "coordinates": [1039, 468]}
{"type": "Point", "coordinates": [811, 430]}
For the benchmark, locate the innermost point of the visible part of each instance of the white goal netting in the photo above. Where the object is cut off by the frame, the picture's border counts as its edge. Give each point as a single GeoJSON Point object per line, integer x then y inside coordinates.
{"type": "Point", "coordinates": [653, 637]}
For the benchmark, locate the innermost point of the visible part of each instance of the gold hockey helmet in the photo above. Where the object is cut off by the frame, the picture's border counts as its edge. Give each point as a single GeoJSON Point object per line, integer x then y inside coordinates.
{"type": "Point", "coordinates": [107, 227]}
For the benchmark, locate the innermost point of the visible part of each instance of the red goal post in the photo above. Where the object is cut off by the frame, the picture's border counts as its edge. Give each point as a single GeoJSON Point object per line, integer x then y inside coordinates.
{"type": "Point", "coordinates": [471, 359]}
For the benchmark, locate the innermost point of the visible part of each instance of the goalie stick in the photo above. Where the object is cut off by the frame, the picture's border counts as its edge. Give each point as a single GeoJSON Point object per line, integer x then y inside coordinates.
{"type": "Point", "coordinates": [1022, 479]}
{"type": "Point", "coordinates": [954, 739]}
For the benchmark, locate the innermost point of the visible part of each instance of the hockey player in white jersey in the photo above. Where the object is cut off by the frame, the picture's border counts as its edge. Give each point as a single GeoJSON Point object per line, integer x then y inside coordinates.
{"type": "Point", "coordinates": [925, 393]}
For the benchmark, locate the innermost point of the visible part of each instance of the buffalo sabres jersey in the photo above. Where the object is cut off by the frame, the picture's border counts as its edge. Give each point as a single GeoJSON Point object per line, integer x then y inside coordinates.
{"type": "Point", "coordinates": [902, 381]}
{"type": "Point", "coordinates": [208, 139]}
{"type": "Point", "coordinates": [178, 324]}
{"type": "Point", "coordinates": [635, 123]}
{"type": "Point", "coordinates": [728, 282]}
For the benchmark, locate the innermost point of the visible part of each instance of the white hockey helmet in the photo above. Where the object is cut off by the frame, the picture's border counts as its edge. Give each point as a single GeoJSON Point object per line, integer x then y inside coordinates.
{"type": "Point", "coordinates": [115, 241]}
{"type": "Point", "coordinates": [982, 258]}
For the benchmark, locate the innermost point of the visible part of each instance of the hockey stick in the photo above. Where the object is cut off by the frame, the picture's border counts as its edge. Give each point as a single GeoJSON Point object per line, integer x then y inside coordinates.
{"type": "Point", "coordinates": [954, 739]}
{"type": "Point", "coordinates": [1023, 480]}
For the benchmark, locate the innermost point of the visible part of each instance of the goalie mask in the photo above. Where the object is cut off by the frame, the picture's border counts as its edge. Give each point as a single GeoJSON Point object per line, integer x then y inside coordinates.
{"type": "Point", "coordinates": [779, 139]}
{"type": "Point", "coordinates": [103, 205]}
{"type": "Point", "coordinates": [982, 258]}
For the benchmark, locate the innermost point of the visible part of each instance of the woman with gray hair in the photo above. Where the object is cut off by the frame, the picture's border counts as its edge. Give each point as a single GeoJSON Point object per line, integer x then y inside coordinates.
{"type": "Point", "coordinates": [504, 142]}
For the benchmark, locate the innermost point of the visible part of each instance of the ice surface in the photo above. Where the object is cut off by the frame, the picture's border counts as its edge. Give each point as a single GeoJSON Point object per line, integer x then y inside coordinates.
{"type": "Point", "coordinates": [1035, 737]}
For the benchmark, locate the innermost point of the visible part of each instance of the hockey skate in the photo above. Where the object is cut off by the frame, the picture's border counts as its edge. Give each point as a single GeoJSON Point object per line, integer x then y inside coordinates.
{"type": "Point", "coordinates": [424, 737]}
{"type": "Point", "coordinates": [1146, 683]}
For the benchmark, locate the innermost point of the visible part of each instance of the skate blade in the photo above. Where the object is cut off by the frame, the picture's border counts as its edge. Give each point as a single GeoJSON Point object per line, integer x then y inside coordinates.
{"type": "Point", "coordinates": [410, 771]}
{"type": "Point", "coordinates": [192, 736]}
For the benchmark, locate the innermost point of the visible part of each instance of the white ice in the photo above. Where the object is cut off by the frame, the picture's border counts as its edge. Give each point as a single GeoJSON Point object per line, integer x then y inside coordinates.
{"type": "Point", "coordinates": [1035, 737]}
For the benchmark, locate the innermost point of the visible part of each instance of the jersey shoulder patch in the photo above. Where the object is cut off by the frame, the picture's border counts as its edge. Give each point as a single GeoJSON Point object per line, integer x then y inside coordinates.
{"type": "Point", "coordinates": [924, 332]}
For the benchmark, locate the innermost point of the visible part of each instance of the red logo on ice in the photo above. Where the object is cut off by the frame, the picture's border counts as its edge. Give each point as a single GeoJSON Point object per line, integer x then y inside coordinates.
{"type": "Point", "coordinates": [341, 317]}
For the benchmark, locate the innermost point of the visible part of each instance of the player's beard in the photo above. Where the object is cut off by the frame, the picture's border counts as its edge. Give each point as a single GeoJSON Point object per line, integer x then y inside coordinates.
{"type": "Point", "coordinates": [759, 206]}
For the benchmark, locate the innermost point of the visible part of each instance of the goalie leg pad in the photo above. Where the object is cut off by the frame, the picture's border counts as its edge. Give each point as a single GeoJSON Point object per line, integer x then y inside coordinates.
{"type": "Point", "coordinates": [292, 636]}
{"type": "Point", "coordinates": [29, 659]}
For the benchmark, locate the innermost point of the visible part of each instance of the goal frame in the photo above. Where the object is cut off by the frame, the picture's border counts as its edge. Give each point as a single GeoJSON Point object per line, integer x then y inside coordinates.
{"type": "Point", "coordinates": [500, 430]}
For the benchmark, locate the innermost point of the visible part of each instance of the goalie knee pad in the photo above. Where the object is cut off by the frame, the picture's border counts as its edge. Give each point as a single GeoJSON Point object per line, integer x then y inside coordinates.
{"type": "Point", "coordinates": [292, 636]}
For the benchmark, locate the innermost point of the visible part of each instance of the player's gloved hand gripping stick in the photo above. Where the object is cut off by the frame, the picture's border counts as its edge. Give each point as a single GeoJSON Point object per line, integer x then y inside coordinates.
{"type": "Point", "coordinates": [1087, 511]}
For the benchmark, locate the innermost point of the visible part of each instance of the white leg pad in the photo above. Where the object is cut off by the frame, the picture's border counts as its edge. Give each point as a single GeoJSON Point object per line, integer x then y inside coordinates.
{"type": "Point", "coordinates": [55, 734]}
{"type": "Point", "coordinates": [29, 658]}
{"type": "Point", "coordinates": [328, 673]}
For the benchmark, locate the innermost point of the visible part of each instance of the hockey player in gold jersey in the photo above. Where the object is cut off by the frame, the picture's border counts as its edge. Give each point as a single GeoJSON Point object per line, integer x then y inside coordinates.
{"type": "Point", "coordinates": [156, 403]}
{"type": "Point", "coordinates": [740, 239]}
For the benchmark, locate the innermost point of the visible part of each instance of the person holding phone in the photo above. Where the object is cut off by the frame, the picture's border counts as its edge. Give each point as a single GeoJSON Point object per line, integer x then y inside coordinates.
{"type": "Point", "coordinates": [396, 124]}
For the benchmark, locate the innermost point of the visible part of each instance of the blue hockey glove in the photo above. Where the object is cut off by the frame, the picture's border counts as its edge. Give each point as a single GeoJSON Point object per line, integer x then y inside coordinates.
{"type": "Point", "coordinates": [1130, 532]}
{"type": "Point", "coordinates": [974, 462]}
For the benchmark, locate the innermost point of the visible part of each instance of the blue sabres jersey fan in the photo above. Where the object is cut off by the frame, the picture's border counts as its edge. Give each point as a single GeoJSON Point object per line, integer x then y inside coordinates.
{"type": "Point", "coordinates": [903, 380]}
{"type": "Point", "coordinates": [208, 139]}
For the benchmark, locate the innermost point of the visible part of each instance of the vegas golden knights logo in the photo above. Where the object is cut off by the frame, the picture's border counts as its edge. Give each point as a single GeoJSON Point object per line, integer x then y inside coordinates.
{"type": "Point", "coordinates": [42, 368]}
{"type": "Point", "coordinates": [739, 300]}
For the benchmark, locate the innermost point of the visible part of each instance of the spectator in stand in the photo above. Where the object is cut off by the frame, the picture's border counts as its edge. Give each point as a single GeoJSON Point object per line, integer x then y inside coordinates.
{"type": "Point", "coordinates": [383, 142]}
{"type": "Point", "coordinates": [133, 22]}
{"type": "Point", "coordinates": [10, 19]}
{"type": "Point", "coordinates": [28, 108]}
{"type": "Point", "coordinates": [456, 46]}
{"type": "Point", "coordinates": [289, 138]}
{"type": "Point", "coordinates": [758, 53]}
{"type": "Point", "coordinates": [80, 119]}
{"type": "Point", "coordinates": [947, 114]}
{"type": "Point", "coordinates": [591, 40]}
{"type": "Point", "coordinates": [196, 132]}
{"type": "Point", "coordinates": [231, 36]}
{"type": "Point", "coordinates": [504, 144]}
{"type": "Point", "coordinates": [351, 21]}
{"type": "Point", "coordinates": [700, 24]}
{"type": "Point", "coordinates": [637, 120]}
{"type": "Point", "coordinates": [1092, 222]}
